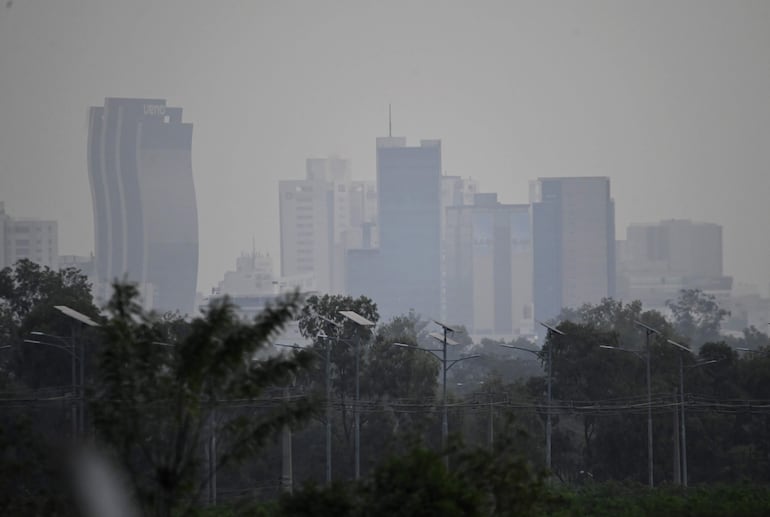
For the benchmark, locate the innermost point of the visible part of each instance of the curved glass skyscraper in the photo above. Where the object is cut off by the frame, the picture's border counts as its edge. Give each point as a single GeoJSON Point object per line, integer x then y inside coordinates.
{"type": "Point", "coordinates": [145, 213]}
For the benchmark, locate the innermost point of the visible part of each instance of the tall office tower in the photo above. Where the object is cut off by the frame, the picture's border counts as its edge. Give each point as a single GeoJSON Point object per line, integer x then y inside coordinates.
{"type": "Point", "coordinates": [404, 272]}
{"type": "Point", "coordinates": [321, 217]}
{"type": "Point", "coordinates": [145, 213]}
{"type": "Point", "coordinates": [455, 191]}
{"type": "Point", "coordinates": [658, 260]}
{"type": "Point", "coordinates": [573, 234]}
{"type": "Point", "coordinates": [489, 267]}
{"type": "Point", "coordinates": [30, 239]}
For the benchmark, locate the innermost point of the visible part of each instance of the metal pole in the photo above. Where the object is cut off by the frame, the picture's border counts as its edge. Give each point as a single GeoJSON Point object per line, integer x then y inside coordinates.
{"type": "Point", "coordinates": [444, 422]}
{"type": "Point", "coordinates": [212, 457]}
{"type": "Point", "coordinates": [677, 455]}
{"type": "Point", "coordinates": [328, 416]}
{"type": "Point", "coordinates": [649, 415]}
{"type": "Point", "coordinates": [682, 423]}
{"type": "Point", "coordinates": [74, 395]}
{"type": "Point", "coordinates": [357, 415]}
{"type": "Point", "coordinates": [548, 407]}
{"type": "Point", "coordinates": [82, 392]}
{"type": "Point", "coordinates": [286, 474]}
{"type": "Point", "coordinates": [491, 424]}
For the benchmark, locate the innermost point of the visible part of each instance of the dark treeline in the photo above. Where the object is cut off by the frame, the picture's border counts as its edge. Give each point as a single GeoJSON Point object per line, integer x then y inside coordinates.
{"type": "Point", "coordinates": [195, 412]}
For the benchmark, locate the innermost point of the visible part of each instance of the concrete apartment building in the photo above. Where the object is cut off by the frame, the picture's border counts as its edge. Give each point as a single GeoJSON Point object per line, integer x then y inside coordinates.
{"type": "Point", "coordinates": [321, 217]}
{"type": "Point", "coordinates": [32, 239]}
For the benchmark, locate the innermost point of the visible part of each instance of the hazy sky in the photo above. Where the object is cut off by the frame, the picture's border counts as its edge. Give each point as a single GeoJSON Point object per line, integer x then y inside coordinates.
{"type": "Point", "coordinates": [669, 99]}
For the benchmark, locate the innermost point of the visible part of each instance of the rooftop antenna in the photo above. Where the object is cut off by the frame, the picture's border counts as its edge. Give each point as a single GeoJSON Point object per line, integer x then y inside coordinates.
{"type": "Point", "coordinates": [390, 123]}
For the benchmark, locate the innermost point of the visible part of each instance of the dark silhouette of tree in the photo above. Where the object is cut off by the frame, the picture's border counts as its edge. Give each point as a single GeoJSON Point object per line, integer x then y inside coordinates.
{"type": "Point", "coordinates": [156, 403]}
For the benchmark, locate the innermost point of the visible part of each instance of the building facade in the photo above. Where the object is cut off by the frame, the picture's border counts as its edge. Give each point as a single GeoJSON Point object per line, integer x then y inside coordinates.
{"type": "Point", "coordinates": [657, 260]}
{"type": "Point", "coordinates": [145, 211]}
{"type": "Point", "coordinates": [31, 239]}
{"type": "Point", "coordinates": [404, 272]}
{"type": "Point", "coordinates": [489, 268]}
{"type": "Point", "coordinates": [573, 235]}
{"type": "Point", "coordinates": [321, 217]}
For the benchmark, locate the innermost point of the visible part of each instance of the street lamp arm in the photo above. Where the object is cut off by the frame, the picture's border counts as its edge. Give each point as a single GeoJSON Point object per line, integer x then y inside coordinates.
{"type": "Point", "coordinates": [67, 349]}
{"type": "Point", "coordinates": [67, 341]}
{"type": "Point", "coordinates": [536, 352]}
{"type": "Point", "coordinates": [431, 351]}
{"type": "Point", "coordinates": [680, 347]}
{"type": "Point", "coordinates": [635, 352]}
{"type": "Point", "coordinates": [455, 361]}
{"type": "Point", "coordinates": [301, 348]}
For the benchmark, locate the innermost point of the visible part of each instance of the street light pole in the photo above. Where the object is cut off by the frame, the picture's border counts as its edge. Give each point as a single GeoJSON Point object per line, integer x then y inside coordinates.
{"type": "Point", "coordinates": [649, 414]}
{"type": "Point", "coordinates": [549, 380]}
{"type": "Point", "coordinates": [68, 347]}
{"type": "Point", "coordinates": [328, 415]}
{"type": "Point", "coordinates": [551, 341]}
{"type": "Point", "coordinates": [446, 365]}
{"type": "Point", "coordinates": [649, 331]}
{"type": "Point", "coordinates": [682, 424]}
{"type": "Point", "coordinates": [444, 413]}
{"type": "Point", "coordinates": [365, 323]}
{"type": "Point", "coordinates": [321, 336]}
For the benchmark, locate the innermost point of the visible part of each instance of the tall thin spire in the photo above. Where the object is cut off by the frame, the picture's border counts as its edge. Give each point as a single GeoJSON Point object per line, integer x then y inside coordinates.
{"type": "Point", "coordinates": [390, 123]}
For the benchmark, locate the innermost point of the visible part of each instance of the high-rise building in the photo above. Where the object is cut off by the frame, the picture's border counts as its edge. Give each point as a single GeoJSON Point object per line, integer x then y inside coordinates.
{"type": "Point", "coordinates": [489, 267]}
{"type": "Point", "coordinates": [145, 212]}
{"type": "Point", "coordinates": [404, 272]}
{"type": "Point", "coordinates": [455, 191]}
{"type": "Point", "coordinates": [30, 239]}
{"type": "Point", "coordinates": [573, 233]}
{"type": "Point", "coordinates": [658, 260]}
{"type": "Point", "coordinates": [321, 217]}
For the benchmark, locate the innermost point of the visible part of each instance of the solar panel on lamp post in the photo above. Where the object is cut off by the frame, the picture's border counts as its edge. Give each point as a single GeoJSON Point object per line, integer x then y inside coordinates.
{"type": "Point", "coordinates": [446, 365]}
{"type": "Point", "coordinates": [682, 424]}
{"type": "Point", "coordinates": [82, 319]}
{"type": "Point", "coordinates": [552, 332]}
{"type": "Point", "coordinates": [365, 323]}
{"type": "Point", "coordinates": [648, 331]}
{"type": "Point", "coordinates": [68, 346]}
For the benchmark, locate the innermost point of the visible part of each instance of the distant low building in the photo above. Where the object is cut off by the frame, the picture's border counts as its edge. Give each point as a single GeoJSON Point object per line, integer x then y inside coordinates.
{"type": "Point", "coordinates": [32, 239]}
{"type": "Point", "coordinates": [253, 274]}
{"type": "Point", "coordinates": [83, 263]}
{"type": "Point", "coordinates": [658, 260]}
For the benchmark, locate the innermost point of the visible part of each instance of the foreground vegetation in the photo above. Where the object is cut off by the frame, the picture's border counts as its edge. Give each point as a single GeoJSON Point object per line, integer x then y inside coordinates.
{"type": "Point", "coordinates": [184, 416]}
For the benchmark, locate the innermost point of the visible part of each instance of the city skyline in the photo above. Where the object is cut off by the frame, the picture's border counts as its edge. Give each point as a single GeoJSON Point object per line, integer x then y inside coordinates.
{"type": "Point", "coordinates": [669, 101]}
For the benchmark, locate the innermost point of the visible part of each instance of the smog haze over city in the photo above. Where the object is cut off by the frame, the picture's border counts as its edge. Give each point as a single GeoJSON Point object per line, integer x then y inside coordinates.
{"type": "Point", "coordinates": [667, 99]}
{"type": "Point", "coordinates": [243, 243]}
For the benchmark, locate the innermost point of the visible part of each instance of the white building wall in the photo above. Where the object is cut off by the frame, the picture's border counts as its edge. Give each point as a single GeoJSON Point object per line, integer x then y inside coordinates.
{"type": "Point", "coordinates": [32, 239]}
